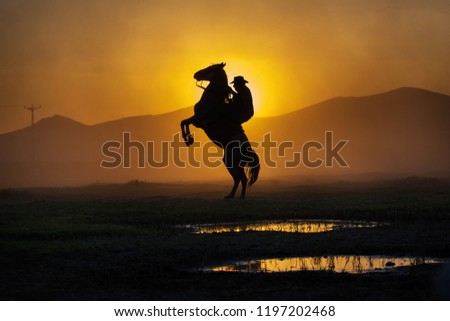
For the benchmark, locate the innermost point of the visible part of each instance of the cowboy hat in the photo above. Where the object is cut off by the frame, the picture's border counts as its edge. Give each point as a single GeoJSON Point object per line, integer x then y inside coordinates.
{"type": "Point", "coordinates": [239, 79]}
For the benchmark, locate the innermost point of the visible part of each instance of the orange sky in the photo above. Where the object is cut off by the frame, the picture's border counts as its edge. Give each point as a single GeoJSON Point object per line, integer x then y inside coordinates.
{"type": "Point", "coordinates": [99, 60]}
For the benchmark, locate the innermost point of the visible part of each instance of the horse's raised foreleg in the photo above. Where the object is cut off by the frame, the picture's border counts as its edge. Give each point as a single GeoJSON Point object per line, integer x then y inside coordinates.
{"type": "Point", "coordinates": [185, 131]}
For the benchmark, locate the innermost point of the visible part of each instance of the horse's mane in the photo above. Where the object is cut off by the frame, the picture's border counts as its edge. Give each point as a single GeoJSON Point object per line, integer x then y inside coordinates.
{"type": "Point", "coordinates": [222, 78]}
{"type": "Point", "coordinates": [211, 105]}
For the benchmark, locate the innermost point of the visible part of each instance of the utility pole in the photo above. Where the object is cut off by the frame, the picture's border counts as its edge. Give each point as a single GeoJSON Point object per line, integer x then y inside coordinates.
{"type": "Point", "coordinates": [32, 108]}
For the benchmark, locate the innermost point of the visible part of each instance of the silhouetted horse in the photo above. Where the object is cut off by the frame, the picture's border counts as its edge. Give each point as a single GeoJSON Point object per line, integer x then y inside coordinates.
{"type": "Point", "coordinates": [211, 114]}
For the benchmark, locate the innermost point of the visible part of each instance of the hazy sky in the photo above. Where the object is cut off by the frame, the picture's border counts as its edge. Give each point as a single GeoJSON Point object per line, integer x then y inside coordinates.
{"type": "Point", "coordinates": [99, 60]}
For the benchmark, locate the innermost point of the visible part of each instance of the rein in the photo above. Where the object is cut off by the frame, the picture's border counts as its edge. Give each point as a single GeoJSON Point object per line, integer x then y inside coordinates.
{"type": "Point", "coordinates": [200, 86]}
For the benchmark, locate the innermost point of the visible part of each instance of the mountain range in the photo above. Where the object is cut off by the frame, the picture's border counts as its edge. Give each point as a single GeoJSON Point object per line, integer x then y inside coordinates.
{"type": "Point", "coordinates": [402, 132]}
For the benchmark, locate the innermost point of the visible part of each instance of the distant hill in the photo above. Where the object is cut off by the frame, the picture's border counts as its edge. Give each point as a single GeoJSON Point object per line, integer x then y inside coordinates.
{"type": "Point", "coordinates": [400, 132]}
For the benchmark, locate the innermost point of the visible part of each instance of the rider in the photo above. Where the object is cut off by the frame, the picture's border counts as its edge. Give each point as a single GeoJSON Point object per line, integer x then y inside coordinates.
{"type": "Point", "coordinates": [241, 110]}
{"type": "Point", "coordinates": [242, 104]}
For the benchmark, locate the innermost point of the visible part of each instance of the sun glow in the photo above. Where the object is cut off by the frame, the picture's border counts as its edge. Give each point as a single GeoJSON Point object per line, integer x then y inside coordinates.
{"type": "Point", "coordinates": [264, 83]}
{"type": "Point", "coordinates": [263, 77]}
{"type": "Point", "coordinates": [96, 62]}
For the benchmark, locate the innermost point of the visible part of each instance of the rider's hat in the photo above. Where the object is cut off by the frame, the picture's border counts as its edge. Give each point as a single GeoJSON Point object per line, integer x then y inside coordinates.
{"type": "Point", "coordinates": [239, 79]}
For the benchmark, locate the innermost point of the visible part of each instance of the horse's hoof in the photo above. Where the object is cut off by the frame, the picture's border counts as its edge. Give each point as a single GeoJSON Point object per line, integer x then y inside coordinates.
{"type": "Point", "coordinates": [228, 197]}
{"type": "Point", "coordinates": [189, 141]}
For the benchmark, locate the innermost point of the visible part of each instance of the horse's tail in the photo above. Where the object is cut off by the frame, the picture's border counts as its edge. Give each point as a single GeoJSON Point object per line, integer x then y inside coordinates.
{"type": "Point", "coordinates": [252, 169]}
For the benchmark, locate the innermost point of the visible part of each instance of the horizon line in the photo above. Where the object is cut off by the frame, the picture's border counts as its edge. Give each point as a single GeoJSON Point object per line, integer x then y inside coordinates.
{"type": "Point", "coordinates": [258, 117]}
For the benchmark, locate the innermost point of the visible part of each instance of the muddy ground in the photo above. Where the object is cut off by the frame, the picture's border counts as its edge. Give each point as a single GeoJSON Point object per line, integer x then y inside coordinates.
{"type": "Point", "coordinates": [121, 242]}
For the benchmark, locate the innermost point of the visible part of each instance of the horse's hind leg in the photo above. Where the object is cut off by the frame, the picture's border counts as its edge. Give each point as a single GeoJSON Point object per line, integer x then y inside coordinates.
{"type": "Point", "coordinates": [232, 171]}
{"type": "Point", "coordinates": [243, 180]}
{"type": "Point", "coordinates": [233, 191]}
{"type": "Point", "coordinates": [231, 161]}
{"type": "Point", "coordinates": [239, 176]}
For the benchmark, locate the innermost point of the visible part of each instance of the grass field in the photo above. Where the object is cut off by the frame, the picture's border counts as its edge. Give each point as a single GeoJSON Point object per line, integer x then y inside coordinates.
{"type": "Point", "coordinates": [121, 242]}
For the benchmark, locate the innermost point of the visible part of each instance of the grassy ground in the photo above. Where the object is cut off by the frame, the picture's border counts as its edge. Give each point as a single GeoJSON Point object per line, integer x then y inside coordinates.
{"type": "Point", "coordinates": [120, 242]}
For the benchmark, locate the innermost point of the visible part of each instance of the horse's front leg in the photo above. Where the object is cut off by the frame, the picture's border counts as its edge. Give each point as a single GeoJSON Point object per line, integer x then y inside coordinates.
{"type": "Point", "coordinates": [185, 131]}
{"type": "Point", "coordinates": [184, 127]}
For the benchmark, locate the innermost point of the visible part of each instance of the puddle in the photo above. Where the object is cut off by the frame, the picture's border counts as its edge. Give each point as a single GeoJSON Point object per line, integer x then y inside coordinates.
{"type": "Point", "coordinates": [290, 226]}
{"type": "Point", "coordinates": [338, 264]}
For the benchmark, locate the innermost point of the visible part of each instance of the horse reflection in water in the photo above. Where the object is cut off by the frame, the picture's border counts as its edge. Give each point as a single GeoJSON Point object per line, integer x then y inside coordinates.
{"type": "Point", "coordinates": [211, 114]}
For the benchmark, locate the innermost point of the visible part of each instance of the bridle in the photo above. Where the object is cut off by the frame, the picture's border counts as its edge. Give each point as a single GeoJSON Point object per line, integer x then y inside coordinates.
{"type": "Point", "coordinates": [200, 86]}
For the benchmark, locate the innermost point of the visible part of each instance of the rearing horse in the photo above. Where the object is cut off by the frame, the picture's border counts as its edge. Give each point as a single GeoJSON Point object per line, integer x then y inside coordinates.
{"type": "Point", "coordinates": [211, 114]}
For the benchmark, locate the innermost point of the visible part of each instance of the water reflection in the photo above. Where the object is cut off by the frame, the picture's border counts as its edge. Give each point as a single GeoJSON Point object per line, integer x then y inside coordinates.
{"type": "Point", "coordinates": [291, 226]}
{"type": "Point", "coordinates": [340, 264]}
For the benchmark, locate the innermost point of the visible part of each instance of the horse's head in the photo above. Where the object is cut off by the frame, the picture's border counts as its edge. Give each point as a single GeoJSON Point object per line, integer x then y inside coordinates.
{"type": "Point", "coordinates": [211, 73]}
